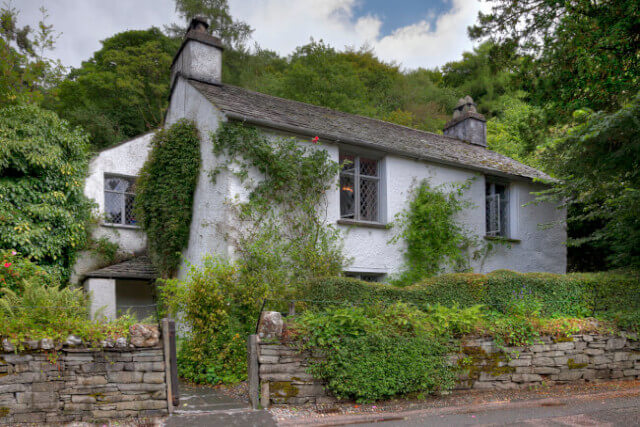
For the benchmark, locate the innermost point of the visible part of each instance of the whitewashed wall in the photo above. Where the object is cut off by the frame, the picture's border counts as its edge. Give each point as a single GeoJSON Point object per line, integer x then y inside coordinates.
{"type": "Point", "coordinates": [124, 159]}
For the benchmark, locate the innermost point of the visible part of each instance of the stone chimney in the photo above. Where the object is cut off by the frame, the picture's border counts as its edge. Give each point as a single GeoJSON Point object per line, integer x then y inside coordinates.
{"type": "Point", "coordinates": [200, 56]}
{"type": "Point", "coordinates": [467, 124]}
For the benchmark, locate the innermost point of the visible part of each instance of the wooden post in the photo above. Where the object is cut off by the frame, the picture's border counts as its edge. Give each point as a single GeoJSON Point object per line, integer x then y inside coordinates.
{"type": "Point", "coordinates": [264, 395]}
{"type": "Point", "coordinates": [292, 308]}
{"type": "Point", "coordinates": [253, 371]}
{"type": "Point", "coordinates": [167, 363]}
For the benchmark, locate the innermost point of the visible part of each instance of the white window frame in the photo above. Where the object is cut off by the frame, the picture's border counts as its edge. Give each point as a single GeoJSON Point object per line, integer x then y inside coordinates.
{"type": "Point", "coordinates": [123, 205]}
{"type": "Point", "coordinates": [494, 197]}
{"type": "Point", "coordinates": [356, 187]}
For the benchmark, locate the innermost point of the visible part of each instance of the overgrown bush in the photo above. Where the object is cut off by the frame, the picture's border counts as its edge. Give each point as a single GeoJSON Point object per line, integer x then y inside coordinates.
{"type": "Point", "coordinates": [219, 309]}
{"type": "Point", "coordinates": [164, 196]}
{"type": "Point", "coordinates": [16, 269]}
{"type": "Point", "coordinates": [39, 309]}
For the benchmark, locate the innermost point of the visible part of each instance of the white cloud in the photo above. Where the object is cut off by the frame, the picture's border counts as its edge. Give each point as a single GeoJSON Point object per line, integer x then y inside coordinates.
{"type": "Point", "coordinates": [281, 25]}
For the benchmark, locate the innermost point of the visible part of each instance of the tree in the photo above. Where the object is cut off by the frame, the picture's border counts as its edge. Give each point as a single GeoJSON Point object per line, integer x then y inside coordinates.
{"type": "Point", "coordinates": [43, 164]}
{"type": "Point", "coordinates": [597, 160]}
{"type": "Point", "coordinates": [122, 90]}
{"type": "Point", "coordinates": [578, 53]}
{"type": "Point", "coordinates": [25, 71]}
{"type": "Point", "coordinates": [233, 33]}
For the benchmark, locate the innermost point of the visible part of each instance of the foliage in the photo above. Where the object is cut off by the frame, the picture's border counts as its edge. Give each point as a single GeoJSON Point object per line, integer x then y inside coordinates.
{"type": "Point", "coordinates": [43, 163]}
{"type": "Point", "coordinates": [25, 72]}
{"type": "Point", "coordinates": [233, 33]}
{"type": "Point", "coordinates": [577, 53]}
{"type": "Point", "coordinates": [164, 197]}
{"type": "Point", "coordinates": [596, 160]}
{"type": "Point", "coordinates": [122, 90]}
{"type": "Point", "coordinates": [281, 235]}
{"type": "Point", "coordinates": [604, 295]}
{"type": "Point", "coordinates": [376, 352]}
{"type": "Point", "coordinates": [15, 269]}
{"type": "Point", "coordinates": [434, 240]}
{"type": "Point", "coordinates": [219, 309]}
{"type": "Point", "coordinates": [44, 309]}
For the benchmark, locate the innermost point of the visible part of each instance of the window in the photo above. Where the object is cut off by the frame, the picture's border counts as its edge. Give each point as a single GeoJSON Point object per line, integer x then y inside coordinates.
{"type": "Point", "coordinates": [359, 188]}
{"type": "Point", "coordinates": [119, 195]}
{"type": "Point", "coordinates": [497, 205]}
{"type": "Point", "coordinates": [367, 277]}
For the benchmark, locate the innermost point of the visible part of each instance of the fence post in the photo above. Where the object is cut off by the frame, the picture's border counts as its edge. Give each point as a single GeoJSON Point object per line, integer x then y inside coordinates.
{"type": "Point", "coordinates": [170, 362]}
{"type": "Point", "coordinates": [292, 308]}
{"type": "Point", "coordinates": [253, 371]}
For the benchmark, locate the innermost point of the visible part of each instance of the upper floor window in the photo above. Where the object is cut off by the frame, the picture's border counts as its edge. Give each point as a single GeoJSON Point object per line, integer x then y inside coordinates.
{"type": "Point", "coordinates": [119, 195]}
{"type": "Point", "coordinates": [359, 188]}
{"type": "Point", "coordinates": [497, 205]}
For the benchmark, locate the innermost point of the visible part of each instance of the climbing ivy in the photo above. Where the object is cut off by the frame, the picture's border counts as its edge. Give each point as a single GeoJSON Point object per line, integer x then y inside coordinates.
{"type": "Point", "coordinates": [434, 239]}
{"type": "Point", "coordinates": [281, 234]}
{"type": "Point", "coordinates": [165, 190]}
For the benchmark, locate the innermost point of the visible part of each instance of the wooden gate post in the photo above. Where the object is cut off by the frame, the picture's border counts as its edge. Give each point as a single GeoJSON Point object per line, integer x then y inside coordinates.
{"type": "Point", "coordinates": [253, 370]}
{"type": "Point", "coordinates": [170, 363]}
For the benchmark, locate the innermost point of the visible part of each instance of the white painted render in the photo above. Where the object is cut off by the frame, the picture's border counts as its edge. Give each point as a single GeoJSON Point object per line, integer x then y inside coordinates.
{"type": "Point", "coordinates": [103, 297]}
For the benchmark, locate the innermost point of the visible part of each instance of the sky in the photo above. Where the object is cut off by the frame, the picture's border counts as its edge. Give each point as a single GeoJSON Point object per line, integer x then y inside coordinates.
{"type": "Point", "coordinates": [410, 33]}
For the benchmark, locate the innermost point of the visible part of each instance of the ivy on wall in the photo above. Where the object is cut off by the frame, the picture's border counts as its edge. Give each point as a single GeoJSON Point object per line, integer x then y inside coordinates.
{"type": "Point", "coordinates": [434, 239]}
{"type": "Point", "coordinates": [164, 197]}
{"type": "Point", "coordinates": [281, 235]}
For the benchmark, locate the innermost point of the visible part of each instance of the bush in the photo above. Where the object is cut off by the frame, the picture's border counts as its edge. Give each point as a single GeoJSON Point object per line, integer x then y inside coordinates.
{"type": "Point", "coordinates": [16, 269]}
{"type": "Point", "coordinates": [219, 310]}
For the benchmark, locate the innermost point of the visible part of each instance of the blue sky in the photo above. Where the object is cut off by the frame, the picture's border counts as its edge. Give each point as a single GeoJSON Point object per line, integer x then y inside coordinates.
{"type": "Point", "coordinates": [397, 14]}
{"type": "Point", "coordinates": [410, 33]}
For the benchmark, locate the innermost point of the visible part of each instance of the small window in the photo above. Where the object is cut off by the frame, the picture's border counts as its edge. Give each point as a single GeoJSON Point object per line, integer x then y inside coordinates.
{"type": "Point", "coordinates": [367, 277]}
{"type": "Point", "coordinates": [359, 188]}
{"type": "Point", "coordinates": [497, 206]}
{"type": "Point", "coordinates": [119, 196]}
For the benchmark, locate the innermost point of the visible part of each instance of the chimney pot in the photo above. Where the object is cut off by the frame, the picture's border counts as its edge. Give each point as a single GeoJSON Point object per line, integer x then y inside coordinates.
{"type": "Point", "coordinates": [198, 24]}
{"type": "Point", "coordinates": [467, 124]}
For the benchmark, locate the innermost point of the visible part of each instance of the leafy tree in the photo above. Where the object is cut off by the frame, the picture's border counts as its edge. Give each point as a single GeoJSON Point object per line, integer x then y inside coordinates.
{"type": "Point", "coordinates": [25, 72]}
{"type": "Point", "coordinates": [579, 53]}
{"type": "Point", "coordinates": [597, 161]}
{"type": "Point", "coordinates": [122, 90]}
{"type": "Point", "coordinates": [233, 33]}
{"type": "Point", "coordinates": [43, 163]}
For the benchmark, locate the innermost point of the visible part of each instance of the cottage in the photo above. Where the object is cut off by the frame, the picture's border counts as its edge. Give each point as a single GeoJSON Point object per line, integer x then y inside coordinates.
{"type": "Point", "coordinates": [388, 159]}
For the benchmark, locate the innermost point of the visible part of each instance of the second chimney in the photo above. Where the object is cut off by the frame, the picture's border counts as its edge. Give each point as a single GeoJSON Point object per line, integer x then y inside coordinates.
{"type": "Point", "coordinates": [199, 56]}
{"type": "Point", "coordinates": [467, 124]}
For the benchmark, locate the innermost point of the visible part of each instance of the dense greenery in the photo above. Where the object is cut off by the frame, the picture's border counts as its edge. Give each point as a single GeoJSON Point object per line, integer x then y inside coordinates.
{"type": "Point", "coordinates": [43, 163]}
{"type": "Point", "coordinates": [434, 239]}
{"type": "Point", "coordinates": [610, 295]}
{"type": "Point", "coordinates": [164, 193]}
{"type": "Point", "coordinates": [122, 91]}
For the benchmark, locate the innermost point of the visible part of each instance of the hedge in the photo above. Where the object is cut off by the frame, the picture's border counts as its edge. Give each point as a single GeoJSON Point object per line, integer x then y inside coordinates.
{"type": "Point", "coordinates": [575, 295]}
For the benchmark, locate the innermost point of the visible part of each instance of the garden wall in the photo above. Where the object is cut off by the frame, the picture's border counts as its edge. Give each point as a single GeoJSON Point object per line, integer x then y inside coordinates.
{"type": "Point", "coordinates": [79, 384]}
{"type": "Point", "coordinates": [282, 377]}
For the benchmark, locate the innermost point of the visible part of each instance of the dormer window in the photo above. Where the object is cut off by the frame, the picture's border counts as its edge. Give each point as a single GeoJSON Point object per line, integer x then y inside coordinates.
{"type": "Point", "coordinates": [359, 188]}
{"type": "Point", "coordinates": [497, 208]}
{"type": "Point", "coordinates": [119, 196]}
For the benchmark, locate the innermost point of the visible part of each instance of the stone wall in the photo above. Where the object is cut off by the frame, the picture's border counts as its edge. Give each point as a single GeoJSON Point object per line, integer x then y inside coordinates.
{"type": "Point", "coordinates": [589, 357]}
{"type": "Point", "coordinates": [74, 384]}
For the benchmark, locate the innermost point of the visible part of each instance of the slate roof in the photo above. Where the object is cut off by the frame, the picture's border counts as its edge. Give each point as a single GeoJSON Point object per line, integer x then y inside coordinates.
{"type": "Point", "coordinates": [139, 267]}
{"type": "Point", "coordinates": [278, 113]}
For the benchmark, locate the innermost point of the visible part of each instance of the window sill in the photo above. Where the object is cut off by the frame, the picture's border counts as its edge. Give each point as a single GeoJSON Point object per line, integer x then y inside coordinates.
{"type": "Point", "coordinates": [125, 226]}
{"type": "Point", "coordinates": [356, 223]}
{"type": "Point", "coordinates": [502, 239]}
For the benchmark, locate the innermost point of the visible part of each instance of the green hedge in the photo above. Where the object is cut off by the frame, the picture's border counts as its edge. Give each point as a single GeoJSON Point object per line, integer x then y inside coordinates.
{"type": "Point", "coordinates": [576, 295]}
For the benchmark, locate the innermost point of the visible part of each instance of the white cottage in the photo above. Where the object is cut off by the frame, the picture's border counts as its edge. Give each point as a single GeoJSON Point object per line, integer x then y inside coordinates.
{"type": "Point", "coordinates": [389, 159]}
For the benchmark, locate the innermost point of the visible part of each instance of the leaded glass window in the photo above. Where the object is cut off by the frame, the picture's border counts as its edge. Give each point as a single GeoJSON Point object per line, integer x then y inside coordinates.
{"type": "Point", "coordinates": [497, 209]}
{"type": "Point", "coordinates": [359, 188]}
{"type": "Point", "coordinates": [119, 196]}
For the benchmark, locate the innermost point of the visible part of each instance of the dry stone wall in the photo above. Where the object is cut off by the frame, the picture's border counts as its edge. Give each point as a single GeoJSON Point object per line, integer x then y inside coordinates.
{"type": "Point", "coordinates": [74, 384]}
{"type": "Point", "coordinates": [284, 379]}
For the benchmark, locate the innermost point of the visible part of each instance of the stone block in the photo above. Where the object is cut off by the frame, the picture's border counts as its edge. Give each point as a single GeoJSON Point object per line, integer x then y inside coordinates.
{"type": "Point", "coordinates": [593, 351]}
{"type": "Point", "coordinates": [92, 380]}
{"type": "Point", "coordinates": [141, 405]}
{"type": "Point", "coordinates": [286, 377]}
{"type": "Point", "coordinates": [78, 398]}
{"type": "Point", "coordinates": [539, 348]}
{"type": "Point", "coordinates": [138, 387]}
{"type": "Point", "coordinates": [587, 338]}
{"type": "Point", "coordinates": [600, 360]}
{"type": "Point", "coordinates": [567, 345]}
{"type": "Point", "coordinates": [542, 361]}
{"type": "Point", "coordinates": [519, 362]}
{"type": "Point", "coordinates": [526, 378]}
{"type": "Point", "coordinates": [617, 374]}
{"type": "Point", "coordinates": [144, 335]}
{"type": "Point", "coordinates": [483, 385]}
{"type": "Point", "coordinates": [49, 386]}
{"type": "Point", "coordinates": [270, 325]}
{"type": "Point", "coordinates": [597, 344]}
{"type": "Point", "coordinates": [268, 359]}
{"type": "Point", "coordinates": [631, 372]}
{"type": "Point", "coordinates": [616, 343]}
{"type": "Point", "coordinates": [570, 374]}
{"type": "Point", "coordinates": [290, 368]}
{"type": "Point", "coordinates": [554, 353]}
{"type": "Point", "coordinates": [560, 361]}
{"type": "Point", "coordinates": [125, 377]}
{"type": "Point", "coordinates": [153, 378]}
{"type": "Point", "coordinates": [545, 370]}
{"type": "Point", "coordinates": [12, 388]}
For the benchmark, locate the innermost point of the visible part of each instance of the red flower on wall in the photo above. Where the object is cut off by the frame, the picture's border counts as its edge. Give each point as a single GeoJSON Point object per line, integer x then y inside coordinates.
{"type": "Point", "coordinates": [315, 140]}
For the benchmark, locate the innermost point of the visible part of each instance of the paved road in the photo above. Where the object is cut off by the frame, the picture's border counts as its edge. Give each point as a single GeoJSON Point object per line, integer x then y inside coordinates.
{"type": "Point", "coordinates": [205, 406]}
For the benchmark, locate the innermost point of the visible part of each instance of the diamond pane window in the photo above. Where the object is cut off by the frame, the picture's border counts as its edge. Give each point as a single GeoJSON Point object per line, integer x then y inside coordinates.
{"type": "Point", "coordinates": [497, 209]}
{"type": "Point", "coordinates": [359, 188]}
{"type": "Point", "coordinates": [119, 196]}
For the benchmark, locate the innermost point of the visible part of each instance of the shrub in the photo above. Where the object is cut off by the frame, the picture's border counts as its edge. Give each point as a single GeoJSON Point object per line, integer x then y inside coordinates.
{"type": "Point", "coordinates": [16, 269]}
{"type": "Point", "coordinates": [219, 310]}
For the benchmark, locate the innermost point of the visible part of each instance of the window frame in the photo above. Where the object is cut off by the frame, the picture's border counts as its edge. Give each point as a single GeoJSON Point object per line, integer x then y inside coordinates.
{"type": "Point", "coordinates": [359, 275]}
{"type": "Point", "coordinates": [356, 175]}
{"type": "Point", "coordinates": [493, 181]}
{"type": "Point", "coordinates": [123, 204]}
